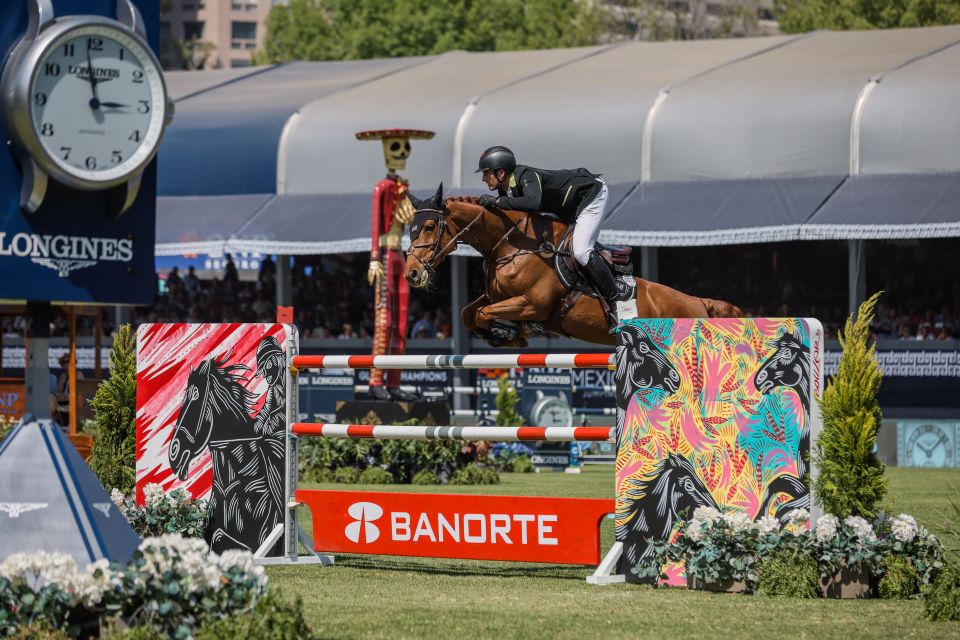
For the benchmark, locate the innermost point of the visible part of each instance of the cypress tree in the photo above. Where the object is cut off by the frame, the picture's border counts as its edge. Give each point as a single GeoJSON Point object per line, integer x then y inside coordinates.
{"type": "Point", "coordinates": [113, 458]}
{"type": "Point", "coordinates": [851, 479]}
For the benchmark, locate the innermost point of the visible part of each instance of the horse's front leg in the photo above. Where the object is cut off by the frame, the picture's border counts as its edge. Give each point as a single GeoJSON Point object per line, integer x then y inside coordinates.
{"type": "Point", "coordinates": [469, 313]}
{"type": "Point", "coordinates": [516, 309]}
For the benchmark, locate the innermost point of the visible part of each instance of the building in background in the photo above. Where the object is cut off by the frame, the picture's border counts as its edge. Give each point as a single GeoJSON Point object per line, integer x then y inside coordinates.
{"type": "Point", "coordinates": [212, 34]}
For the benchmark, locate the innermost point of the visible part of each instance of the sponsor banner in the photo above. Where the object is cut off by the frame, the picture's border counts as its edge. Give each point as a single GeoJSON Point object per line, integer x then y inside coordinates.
{"type": "Point", "coordinates": [547, 378]}
{"type": "Point", "coordinates": [11, 399]}
{"type": "Point", "coordinates": [321, 391]}
{"type": "Point", "coordinates": [414, 377]}
{"type": "Point", "coordinates": [514, 528]}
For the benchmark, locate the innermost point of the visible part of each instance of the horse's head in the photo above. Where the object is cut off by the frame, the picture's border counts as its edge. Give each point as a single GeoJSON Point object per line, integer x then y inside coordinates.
{"type": "Point", "coordinates": [785, 368]}
{"type": "Point", "coordinates": [679, 488]}
{"type": "Point", "coordinates": [194, 422]}
{"type": "Point", "coordinates": [214, 409]}
{"type": "Point", "coordinates": [642, 365]}
{"type": "Point", "coordinates": [431, 238]}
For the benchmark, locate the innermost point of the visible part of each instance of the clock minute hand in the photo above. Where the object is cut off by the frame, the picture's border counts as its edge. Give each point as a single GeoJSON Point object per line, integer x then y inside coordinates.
{"type": "Point", "coordinates": [95, 100]}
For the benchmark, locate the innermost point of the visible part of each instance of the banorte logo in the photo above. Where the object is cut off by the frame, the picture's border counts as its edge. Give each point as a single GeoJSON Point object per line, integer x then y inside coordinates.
{"type": "Point", "coordinates": [364, 513]}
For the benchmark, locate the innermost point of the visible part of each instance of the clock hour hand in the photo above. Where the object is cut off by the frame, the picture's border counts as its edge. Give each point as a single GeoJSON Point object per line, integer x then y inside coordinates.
{"type": "Point", "coordinates": [113, 105]}
{"type": "Point", "coordinates": [95, 100]}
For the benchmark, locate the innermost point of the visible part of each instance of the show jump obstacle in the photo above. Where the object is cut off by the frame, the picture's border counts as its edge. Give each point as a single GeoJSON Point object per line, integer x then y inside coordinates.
{"type": "Point", "coordinates": [710, 412]}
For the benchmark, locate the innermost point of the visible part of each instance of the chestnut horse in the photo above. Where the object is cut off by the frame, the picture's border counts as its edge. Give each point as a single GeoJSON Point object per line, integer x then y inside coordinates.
{"type": "Point", "coordinates": [522, 285]}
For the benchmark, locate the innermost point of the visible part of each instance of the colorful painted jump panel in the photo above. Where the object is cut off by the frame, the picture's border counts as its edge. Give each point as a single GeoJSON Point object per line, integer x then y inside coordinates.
{"type": "Point", "coordinates": [211, 419]}
{"type": "Point", "coordinates": [712, 412]}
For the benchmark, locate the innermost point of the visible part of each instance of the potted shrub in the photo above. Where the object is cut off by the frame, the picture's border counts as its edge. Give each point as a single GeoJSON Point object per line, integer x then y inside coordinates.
{"type": "Point", "coordinates": [846, 551]}
{"type": "Point", "coordinates": [720, 551]}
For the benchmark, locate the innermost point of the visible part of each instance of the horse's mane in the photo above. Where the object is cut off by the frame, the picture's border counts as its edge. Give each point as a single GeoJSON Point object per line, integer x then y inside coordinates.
{"type": "Point", "coordinates": [227, 393]}
{"type": "Point", "coordinates": [465, 199]}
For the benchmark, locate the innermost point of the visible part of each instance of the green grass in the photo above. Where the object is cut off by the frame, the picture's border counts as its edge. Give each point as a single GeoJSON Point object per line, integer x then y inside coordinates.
{"type": "Point", "coordinates": [388, 597]}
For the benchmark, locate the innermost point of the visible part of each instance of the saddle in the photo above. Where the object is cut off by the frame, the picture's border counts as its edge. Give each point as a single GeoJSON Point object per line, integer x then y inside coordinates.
{"type": "Point", "coordinates": [569, 270]}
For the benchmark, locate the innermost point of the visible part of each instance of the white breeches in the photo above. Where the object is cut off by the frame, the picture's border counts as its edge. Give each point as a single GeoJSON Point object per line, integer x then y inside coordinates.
{"type": "Point", "coordinates": [588, 226]}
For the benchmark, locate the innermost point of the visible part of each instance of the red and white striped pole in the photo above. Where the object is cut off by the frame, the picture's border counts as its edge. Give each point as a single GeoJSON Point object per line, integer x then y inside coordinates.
{"type": "Point", "coordinates": [498, 434]}
{"type": "Point", "coordinates": [493, 361]}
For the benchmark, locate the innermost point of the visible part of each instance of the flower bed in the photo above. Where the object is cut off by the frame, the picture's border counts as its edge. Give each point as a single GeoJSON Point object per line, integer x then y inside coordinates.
{"type": "Point", "coordinates": [163, 513]}
{"type": "Point", "coordinates": [726, 551]}
{"type": "Point", "coordinates": [172, 584]}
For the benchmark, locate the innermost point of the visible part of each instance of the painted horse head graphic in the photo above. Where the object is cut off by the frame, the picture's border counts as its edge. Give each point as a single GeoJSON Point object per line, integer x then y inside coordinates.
{"type": "Point", "coordinates": [641, 364]}
{"type": "Point", "coordinates": [789, 366]}
{"type": "Point", "coordinates": [215, 409]}
{"type": "Point", "coordinates": [656, 504]}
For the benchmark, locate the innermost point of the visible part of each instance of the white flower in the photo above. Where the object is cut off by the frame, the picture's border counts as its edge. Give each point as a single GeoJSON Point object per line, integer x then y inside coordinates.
{"type": "Point", "coordinates": [695, 531]}
{"type": "Point", "coordinates": [243, 560]}
{"type": "Point", "coordinates": [768, 524]}
{"type": "Point", "coordinates": [798, 515]}
{"type": "Point", "coordinates": [153, 493]}
{"type": "Point", "coordinates": [117, 498]}
{"type": "Point", "coordinates": [904, 528]}
{"type": "Point", "coordinates": [707, 515]}
{"type": "Point", "coordinates": [861, 529]}
{"type": "Point", "coordinates": [738, 521]}
{"type": "Point", "coordinates": [826, 527]}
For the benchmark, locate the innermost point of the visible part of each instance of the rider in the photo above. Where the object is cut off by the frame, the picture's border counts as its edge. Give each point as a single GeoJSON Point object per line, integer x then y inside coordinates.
{"type": "Point", "coordinates": [573, 195]}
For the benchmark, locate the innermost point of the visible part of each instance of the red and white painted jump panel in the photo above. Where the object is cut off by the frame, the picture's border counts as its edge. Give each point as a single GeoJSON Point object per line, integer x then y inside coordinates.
{"type": "Point", "coordinates": [482, 361]}
{"type": "Point", "coordinates": [500, 434]}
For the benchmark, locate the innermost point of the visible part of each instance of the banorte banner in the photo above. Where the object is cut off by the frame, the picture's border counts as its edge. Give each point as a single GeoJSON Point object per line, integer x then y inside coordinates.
{"type": "Point", "coordinates": [525, 529]}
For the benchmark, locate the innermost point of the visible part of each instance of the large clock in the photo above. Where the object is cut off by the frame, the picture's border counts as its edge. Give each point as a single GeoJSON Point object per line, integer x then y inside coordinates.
{"type": "Point", "coordinates": [928, 444]}
{"type": "Point", "coordinates": [86, 102]}
{"type": "Point", "coordinates": [551, 411]}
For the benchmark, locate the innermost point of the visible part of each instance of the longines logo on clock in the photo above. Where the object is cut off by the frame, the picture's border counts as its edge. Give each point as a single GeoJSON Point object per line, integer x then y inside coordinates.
{"type": "Point", "coordinates": [65, 253]}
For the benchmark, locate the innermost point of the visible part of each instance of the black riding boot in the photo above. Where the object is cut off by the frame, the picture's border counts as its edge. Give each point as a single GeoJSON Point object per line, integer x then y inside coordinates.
{"type": "Point", "coordinates": [600, 275]}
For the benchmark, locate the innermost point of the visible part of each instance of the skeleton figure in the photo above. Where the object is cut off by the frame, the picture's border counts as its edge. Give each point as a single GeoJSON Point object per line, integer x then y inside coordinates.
{"type": "Point", "coordinates": [391, 211]}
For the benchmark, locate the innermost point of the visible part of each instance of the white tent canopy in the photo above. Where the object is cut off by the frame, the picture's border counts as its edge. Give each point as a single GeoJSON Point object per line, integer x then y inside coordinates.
{"type": "Point", "coordinates": [723, 141]}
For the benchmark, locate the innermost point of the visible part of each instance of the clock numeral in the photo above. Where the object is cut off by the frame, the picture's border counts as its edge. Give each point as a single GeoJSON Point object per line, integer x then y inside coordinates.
{"type": "Point", "coordinates": [51, 69]}
{"type": "Point", "coordinates": [68, 49]}
{"type": "Point", "coordinates": [91, 162]}
{"type": "Point", "coordinates": [66, 152]}
{"type": "Point", "coordinates": [94, 44]}
{"type": "Point", "coordinates": [46, 129]}
{"type": "Point", "coordinates": [40, 98]}
{"type": "Point", "coordinates": [135, 136]}
{"type": "Point", "coordinates": [144, 106]}
{"type": "Point", "coordinates": [117, 157]}
{"type": "Point", "coordinates": [121, 53]}
{"type": "Point", "coordinates": [137, 76]}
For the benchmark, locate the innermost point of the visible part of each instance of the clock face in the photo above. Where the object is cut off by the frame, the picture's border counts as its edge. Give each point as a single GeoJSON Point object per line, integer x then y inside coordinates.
{"type": "Point", "coordinates": [553, 412]}
{"type": "Point", "coordinates": [97, 103]}
{"type": "Point", "coordinates": [929, 446]}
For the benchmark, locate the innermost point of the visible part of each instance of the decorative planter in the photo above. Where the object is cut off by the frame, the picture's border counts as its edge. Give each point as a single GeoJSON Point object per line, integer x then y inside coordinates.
{"type": "Point", "coordinates": [848, 583]}
{"type": "Point", "coordinates": [727, 586]}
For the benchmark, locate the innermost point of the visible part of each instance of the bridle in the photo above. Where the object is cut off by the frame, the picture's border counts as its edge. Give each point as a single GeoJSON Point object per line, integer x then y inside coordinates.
{"type": "Point", "coordinates": [438, 253]}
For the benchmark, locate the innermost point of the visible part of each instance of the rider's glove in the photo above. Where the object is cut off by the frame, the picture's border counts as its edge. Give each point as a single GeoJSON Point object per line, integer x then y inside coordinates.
{"type": "Point", "coordinates": [487, 201]}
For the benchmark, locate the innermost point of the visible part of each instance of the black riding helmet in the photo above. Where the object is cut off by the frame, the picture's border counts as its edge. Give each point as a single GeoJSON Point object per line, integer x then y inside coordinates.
{"type": "Point", "coordinates": [497, 158]}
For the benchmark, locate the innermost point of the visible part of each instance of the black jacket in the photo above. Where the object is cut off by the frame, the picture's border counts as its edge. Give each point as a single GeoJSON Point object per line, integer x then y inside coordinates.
{"type": "Point", "coordinates": [563, 193]}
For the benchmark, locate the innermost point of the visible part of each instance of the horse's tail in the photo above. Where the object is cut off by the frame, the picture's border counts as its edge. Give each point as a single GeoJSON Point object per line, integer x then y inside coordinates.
{"type": "Point", "coordinates": [721, 309]}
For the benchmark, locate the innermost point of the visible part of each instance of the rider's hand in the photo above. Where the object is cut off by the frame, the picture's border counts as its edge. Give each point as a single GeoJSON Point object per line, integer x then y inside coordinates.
{"type": "Point", "coordinates": [486, 201]}
{"type": "Point", "coordinates": [374, 272]}
{"type": "Point", "coordinates": [405, 211]}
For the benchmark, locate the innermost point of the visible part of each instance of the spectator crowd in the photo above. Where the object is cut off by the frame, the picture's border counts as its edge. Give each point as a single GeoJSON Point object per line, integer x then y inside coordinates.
{"type": "Point", "coordinates": [332, 299]}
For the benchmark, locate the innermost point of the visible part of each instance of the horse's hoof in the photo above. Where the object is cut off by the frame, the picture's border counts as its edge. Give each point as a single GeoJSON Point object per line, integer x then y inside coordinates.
{"type": "Point", "coordinates": [502, 331]}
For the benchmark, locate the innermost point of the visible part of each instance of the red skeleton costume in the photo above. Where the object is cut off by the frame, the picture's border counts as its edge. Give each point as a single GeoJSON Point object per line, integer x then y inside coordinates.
{"type": "Point", "coordinates": [391, 211]}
